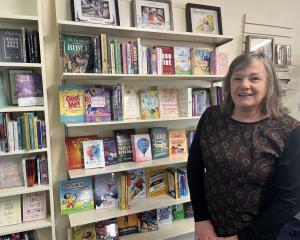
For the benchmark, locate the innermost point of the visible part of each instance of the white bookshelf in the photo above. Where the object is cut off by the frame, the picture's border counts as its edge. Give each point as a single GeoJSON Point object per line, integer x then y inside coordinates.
{"type": "Point", "coordinates": [17, 65]}
{"type": "Point", "coordinates": [22, 109]}
{"type": "Point", "coordinates": [5, 192]}
{"type": "Point", "coordinates": [95, 215]}
{"type": "Point", "coordinates": [22, 152]}
{"type": "Point", "coordinates": [18, 19]}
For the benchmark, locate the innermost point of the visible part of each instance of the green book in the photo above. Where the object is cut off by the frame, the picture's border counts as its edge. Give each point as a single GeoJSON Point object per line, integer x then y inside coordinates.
{"type": "Point", "coordinates": [177, 212]}
{"type": "Point", "coordinates": [159, 142]}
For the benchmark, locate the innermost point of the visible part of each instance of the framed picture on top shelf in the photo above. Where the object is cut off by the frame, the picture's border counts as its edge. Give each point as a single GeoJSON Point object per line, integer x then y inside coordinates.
{"type": "Point", "coordinates": [260, 44]}
{"type": "Point", "coordinates": [96, 11]}
{"type": "Point", "coordinates": [156, 14]}
{"type": "Point", "coordinates": [203, 19]}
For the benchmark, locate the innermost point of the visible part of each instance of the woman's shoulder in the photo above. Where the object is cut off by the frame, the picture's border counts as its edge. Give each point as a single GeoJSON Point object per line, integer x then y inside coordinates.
{"type": "Point", "coordinates": [288, 121]}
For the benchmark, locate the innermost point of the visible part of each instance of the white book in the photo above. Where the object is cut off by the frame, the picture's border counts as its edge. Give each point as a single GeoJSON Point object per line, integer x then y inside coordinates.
{"type": "Point", "coordinates": [34, 206]}
{"type": "Point", "coordinates": [112, 58]}
{"type": "Point", "coordinates": [159, 62]}
{"type": "Point", "coordinates": [24, 171]}
{"type": "Point", "coordinates": [168, 103]}
{"type": "Point", "coordinates": [131, 105]}
{"type": "Point", "coordinates": [10, 136]}
{"type": "Point", "coordinates": [145, 63]}
{"type": "Point", "coordinates": [185, 102]}
{"type": "Point", "coordinates": [140, 55]}
{"type": "Point", "coordinates": [16, 136]}
{"type": "Point", "coordinates": [93, 154]}
{"type": "Point", "coordinates": [10, 210]}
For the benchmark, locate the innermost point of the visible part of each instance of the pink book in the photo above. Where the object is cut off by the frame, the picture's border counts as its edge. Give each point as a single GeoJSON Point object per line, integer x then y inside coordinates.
{"type": "Point", "coordinates": [141, 147]}
{"type": "Point", "coordinates": [34, 206]}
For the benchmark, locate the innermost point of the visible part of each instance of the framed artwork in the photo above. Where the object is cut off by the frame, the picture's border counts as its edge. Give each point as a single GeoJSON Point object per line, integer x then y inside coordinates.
{"type": "Point", "coordinates": [203, 19]}
{"type": "Point", "coordinates": [155, 14]}
{"type": "Point", "coordinates": [96, 11]}
{"type": "Point", "coordinates": [260, 44]}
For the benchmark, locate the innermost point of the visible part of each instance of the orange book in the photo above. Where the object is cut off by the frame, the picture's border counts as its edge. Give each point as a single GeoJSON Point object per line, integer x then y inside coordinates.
{"type": "Point", "coordinates": [156, 181]}
{"type": "Point", "coordinates": [177, 142]}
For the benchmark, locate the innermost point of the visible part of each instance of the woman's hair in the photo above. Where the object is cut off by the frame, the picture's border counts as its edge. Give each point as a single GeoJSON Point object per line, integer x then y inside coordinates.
{"type": "Point", "coordinates": [271, 105]}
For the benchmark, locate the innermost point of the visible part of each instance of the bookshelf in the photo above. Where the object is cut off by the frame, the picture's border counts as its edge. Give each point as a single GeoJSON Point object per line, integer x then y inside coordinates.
{"type": "Point", "coordinates": [28, 15]}
{"type": "Point", "coordinates": [154, 37]}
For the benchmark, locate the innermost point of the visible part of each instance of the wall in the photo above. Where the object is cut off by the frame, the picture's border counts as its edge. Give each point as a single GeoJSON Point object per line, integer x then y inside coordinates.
{"type": "Point", "coordinates": [232, 15]}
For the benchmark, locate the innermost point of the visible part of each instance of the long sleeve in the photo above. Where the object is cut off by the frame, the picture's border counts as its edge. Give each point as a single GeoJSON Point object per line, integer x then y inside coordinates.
{"type": "Point", "coordinates": [195, 173]}
{"type": "Point", "coordinates": [287, 195]}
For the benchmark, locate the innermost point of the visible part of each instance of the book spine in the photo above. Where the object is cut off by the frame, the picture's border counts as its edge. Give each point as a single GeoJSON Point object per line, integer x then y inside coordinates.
{"type": "Point", "coordinates": [124, 58]}
{"type": "Point", "coordinates": [20, 138]}
{"type": "Point", "coordinates": [10, 135]}
{"type": "Point", "coordinates": [35, 132]}
{"type": "Point", "coordinates": [112, 58]}
{"type": "Point", "coordinates": [39, 134]}
{"type": "Point", "coordinates": [104, 53]}
{"type": "Point", "coordinates": [128, 60]}
{"type": "Point", "coordinates": [140, 55]}
{"type": "Point", "coordinates": [16, 137]}
{"type": "Point", "coordinates": [24, 171]}
{"type": "Point", "coordinates": [44, 139]}
{"type": "Point", "coordinates": [38, 169]}
{"type": "Point", "coordinates": [31, 131]}
{"type": "Point", "coordinates": [96, 56]}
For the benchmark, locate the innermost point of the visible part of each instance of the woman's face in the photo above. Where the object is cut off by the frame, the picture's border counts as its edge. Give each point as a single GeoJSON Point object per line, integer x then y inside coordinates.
{"type": "Point", "coordinates": [248, 87]}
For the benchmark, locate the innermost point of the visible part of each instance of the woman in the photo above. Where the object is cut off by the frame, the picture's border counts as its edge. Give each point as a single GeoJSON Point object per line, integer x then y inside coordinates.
{"type": "Point", "coordinates": [250, 150]}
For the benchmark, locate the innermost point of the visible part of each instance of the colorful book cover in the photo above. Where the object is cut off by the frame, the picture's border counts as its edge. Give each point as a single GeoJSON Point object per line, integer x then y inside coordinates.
{"type": "Point", "coordinates": [93, 154]}
{"type": "Point", "coordinates": [201, 61]}
{"type": "Point", "coordinates": [159, 142]}
{"type": "Point", "coordinates": [11, 173]}
{"type": "Point", "coordinates": [34, 206]}
{"type": "Point", "coordinates": [137, 185]}
{"type": "Point", "coordinates": [148, 221]}
{"type": "Point", "coordinates": [72, 104]}
{"type": "Point", "coordinates": [76, 195]}
{"type": "Point", "coordinates": [141, 147]}
{"type": "Point", "coordinates": [177, 212]}
{"type": "Point", "coordinates": [168, 103]}
{"type": "Point", "coordinates": [188, 210]}
{"type": "Point", "coordinates": [77, 53]}
{"type": "Point", "coordinates": [97, 103]}
{"type": "Point", "coordinates": [107, 230]}
{"type": "Point", "coordinates": [74, 150]}
{"type": "Point", "coordinates": [3, 100]}
{"type": "Point", "coordinates": [106, 190]}
{"type": "Point", "coordinates": [177, 142]}
{"type": "Point", "coordinates": [123, 140]}
{"type": "Point", "coordinates": [149, 104]}
{"type": "Point", "coordinates": [164, 215]}
{"type": "Point", "coordinates": [156, 181]}
{"type": "Point", "coordinates": [182, 58]}
{"type": "Point", "coordinates": [10, 210]}
{"type": "Point", "coordinates": [83, 232]}
{"type": "Point", "coordinates": [110, 151]}
{"type": "Point", "coordinates": [173, 189]}
{"type": "Point", "coordinates": [29, 88]}
{"type": "Point", "coordinates": [167, 60]}
{"type": "Point", "coordinates": [182, 182]}
{"type": "Point", "coordinates": [131, 105]}
{"type": "Point", "coordinates": [128, 224]}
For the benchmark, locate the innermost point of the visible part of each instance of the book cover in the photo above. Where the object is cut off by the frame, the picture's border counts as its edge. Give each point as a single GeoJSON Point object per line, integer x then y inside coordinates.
{"type": "Point", "coordinates": [29, 88]}
{"type": "Point", "coordinates": [182, 182]}
{"type": "Point", "coordinates": [173, 189]}
{"type": "Point", "coordinates": [10, 210]}
{"type": "Point", "coordinates": [156, 181]}
{"type": "Point", "coordinates": [97, 104]}
{"type": "Point", "coordinates": [201, 61]}
{"type": "Point", "coordinates": [182, 59]}
{"type": "Point", "coordinates": [159, 142]}
{"type": "Point", "coordinates": [167, 60]}
{"type": "Point", "coordinates": [137, 185]}
{"type": "Point", "coordinates": [123, 140]}
{"type": "Point", "coordinates": [75, 151]}
{"type": "Point", "coordinates": [141, 147]}
{"type": "Point", "coordinates": [72, 104]}
{"type": "Point", "coordinates": [131, 105]}
{"type": "Point", "coordinates": [148, 221]}
{"type": "Point", "coordinates": [106, 190]}
{"type": "Point", "coordinates": [128, 224]}
{"type": "Point", "coordinates": [34, 206]}
{"type": "Point", "coordinates": [77, 53]}
{"type": "Point", "coordinates": [168, 103]}
{"type": "Point", "coordinates": [188, 210]}
{"type": "Point", "coordinates": [177, 212]}
{"type": "Point", "coordinates": [164, 215]}
{"type": "Point", "coordinates": [76, 195]}
{"type": "Point", "coordinates": [107, 230]}
{"type": "Point", "coordinates": [177, 142]}
{"type": "Point", "coordinates": [11, 173]}
{"type": "Point", "coordinates": [3, 100]}
{"type": "Point", "coordinates": [185, 102]}
{"type": "Point", "coordinates": [110, 151]}
{"type": "Point", "coordinates": [93, 154]}
{"type": "Point", "coordinates": [149, 104]}
{"type": "Point", "coordinates": [84, 232]}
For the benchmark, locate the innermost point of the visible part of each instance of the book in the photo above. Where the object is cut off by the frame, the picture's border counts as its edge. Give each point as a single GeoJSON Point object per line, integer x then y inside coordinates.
{"type": "Point", "coordinates": [164, 215]}
{"type": "Point", "coordinates": [29, 88]}
{"type": "Point", "coordinates": [149, 104]}
{"type": "Point", "coordinates": [98, 104]}
{"type": "Point", "coordinates": [12, 47]}
{"type": "Point", "coordinates": [83, 232]}
{"type": "Point", "coordinates": [167, 59]}
{"type": "Point", "coordinates": [148, 221]}
{"type": "Point", "coordinates": [156, 181]}
{"type": "Point", "coordinates": [117, 104]}
{"type": "Point", "coordinates": [34, 206]}
{"type": "Point", "coordinates": [127, 224]}
{"type": "Point", "coordinates": [10, 210]}
{"type": "Point", "coordinates": [137, 185]}
{"type": "Point", "coordinates": [159, 142]}
{"type": "Point", "coordinates": [11, 173]}
{"type": "Point", "coordinates": [107, 230]}
{"type": "Point", "coordinates": [141, 147]}
{"type": "Point", "coordinates": [168, 103]}
{"type": "Point", "coordinates": [188, 210]}
{"type": "Point", "coordinates": [201, 61]}
{"type": "Point", "coordinates": [123, 141]}
{"type": "Point", "coordinates": [77, 53]}
{"type": "Point", "coordinates": [177, 142]}
{"type": "Point", "coordinates": [74, 151]}
{"type": "Point", "coordinates": [173, 183]}
{"type": "Point", "coordinates": [185, 102]}
{"type": "Point", "coordinates": [72, 104]}
{"type": "Point", "coordinates": [182, 59]}
{"type": "Point", "coordinates": [106, 190]}
{"type": "Point", "coordinates": [3, 100]}
{"type": "Point", "coordinates": [30, 173]}
{"type": "Point", "coordinates": [131, 105]}
{"type": "Point", "coordinates": [219, 62]}
{"type": "Point", "coordinates": [110, 151]}
{"type": "Point", "coordinates": [93, 154]}
{"type": "Point", "coordinates": [177, 212]}
{"type": "Point", "coordinates": [76, 195]}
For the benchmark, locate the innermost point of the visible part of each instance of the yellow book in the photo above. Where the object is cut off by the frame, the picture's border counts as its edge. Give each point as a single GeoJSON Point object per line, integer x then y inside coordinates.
{"type": "Point", "coordinates": [35, 132]}
{"type": "Point", "coordinates": [156, 181]}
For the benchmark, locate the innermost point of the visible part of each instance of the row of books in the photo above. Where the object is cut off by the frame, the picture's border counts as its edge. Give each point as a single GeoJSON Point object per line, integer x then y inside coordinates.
{"type": "Point", "coordinates": [123, 102]}
{"type": "Point", "coordinates": [92, 151]}
{"type": "Point", "coordinates": [139, 222]}
{"type": "Point", "coordinates": [22, 131]}
{"type": "Point", "coordinates": [283, 54]}
{"type": "Point", "coordinates": [103, 54]}
{"type": "Point", "coordinates": [19, 45]}
{"type": "Point", "coordinates": [19, 236]}
{"type": "Point", "coordinates": [121, 190]}
{"type": "Point", "coordinates": [25, 208]}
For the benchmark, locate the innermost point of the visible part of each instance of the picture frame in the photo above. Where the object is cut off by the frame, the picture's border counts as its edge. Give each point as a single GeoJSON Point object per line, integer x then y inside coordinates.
{"type": "Point", "coordinates": [153, 14]}
{"type": "Point", "coordinates": [203, 19]}
{"type": "Point", "coordinates": [256, 43]}
{"type": "Point", "coordinates": [96, 11]}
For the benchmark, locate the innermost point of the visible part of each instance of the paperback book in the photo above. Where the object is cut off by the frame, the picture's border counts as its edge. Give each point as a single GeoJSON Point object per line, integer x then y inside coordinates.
{"type": "Point", "coordinates": [84, 232]}
{"type": "Point", "coordinates": [34, 206]}
{"type": "Point", "coordinates": [10, 210]}
{"type": "Point", "coordinates": [141, 147]}
{"type": "Point", "coordinates": [156, 181]}
{"type": "Point", "coordinates": [159, 142]}
{"type": "Point", "coordinates": [177, 212]}
{"type": "Point", "coordinates": [137, 185]}
{"type": "Point", "coordinates": [11, 173]}
{"type": "Point", "coordinates": [177, 142]}
{"type": "Point", "coordinates": [149, 104]}
{"type": "Point", "coordinates": [123, 140]}
{"type": "Point", "coordinates": [168, 103]}
{"type": "Point", "coordinates": [148, 221]}
{"type": "Point", "coordinates": [164, 215]}
{"type": "Point", "coordinates": [110, 151]}
{"type": "Point", "coordinates": [128, 224]}
{"type": "Point", "coordinates": [107, 230]}
{"type": "Point", "coordinates": [93, 154]}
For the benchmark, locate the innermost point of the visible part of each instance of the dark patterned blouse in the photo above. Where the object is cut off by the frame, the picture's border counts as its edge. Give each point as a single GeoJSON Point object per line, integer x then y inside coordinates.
{"type": "Point", "coordinates": [251, 183]}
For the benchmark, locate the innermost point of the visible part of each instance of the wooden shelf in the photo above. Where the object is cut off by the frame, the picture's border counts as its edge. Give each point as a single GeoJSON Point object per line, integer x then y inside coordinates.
{"type": "Point", "coordinates": [26, 226]}
{"type": "Point", "coordinates": [89, 124]}
{"type": "Point", "coordinates": [20, 65]}
{"type": "Point", "coordinates": [22, 109]}
{"type": "Point", "coordinates": [19, 19]}
{"type": "Point", "coordinates": [126, 166]}
{"type": "Point", "coordinates": [20, 152]}
{"type": "Point", "coordinates": [165, 231]}
{"type": "Point", "coordinates": [12, 191]}
{"type": "Point", "coordinates": [132, 32]}
{"type": "Point", "coordinates": [140, 205]}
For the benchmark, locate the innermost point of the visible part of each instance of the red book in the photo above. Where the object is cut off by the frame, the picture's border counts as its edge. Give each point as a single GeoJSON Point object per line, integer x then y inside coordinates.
{"type": "Point", "coordinates": [167, 60]}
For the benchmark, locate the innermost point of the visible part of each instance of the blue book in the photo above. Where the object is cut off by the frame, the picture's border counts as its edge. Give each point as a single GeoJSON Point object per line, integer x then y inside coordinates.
{"type": "Point", "coordinates": [20, 139]}
{"type": "Point", "coordinates": [31, 131]}
{"type": "Point", "coordinates": [39, 133]}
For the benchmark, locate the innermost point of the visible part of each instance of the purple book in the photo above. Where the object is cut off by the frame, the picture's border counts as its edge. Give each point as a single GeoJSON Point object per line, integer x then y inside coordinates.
{"type": "Point", "coordinates": [117, 103]}
{"type": "Point", "coordinates": [29, 88]}
{"type": "Point", "coordinates": [97, 103]}
{"type": "Point", "coordinates": [110, 151]}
